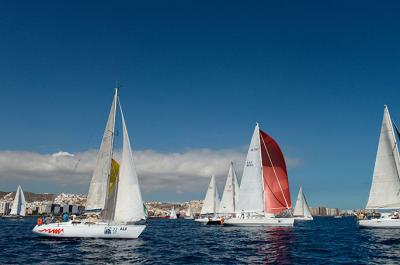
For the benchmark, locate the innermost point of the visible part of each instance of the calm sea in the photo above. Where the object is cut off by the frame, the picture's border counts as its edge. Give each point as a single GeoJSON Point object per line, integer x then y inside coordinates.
{"type": "Point", "coordinates": [322, 241]}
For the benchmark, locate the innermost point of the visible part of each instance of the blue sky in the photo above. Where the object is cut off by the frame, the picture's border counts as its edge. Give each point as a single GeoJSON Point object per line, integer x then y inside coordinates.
{"type": "Point", "coordinates": [199, 75]}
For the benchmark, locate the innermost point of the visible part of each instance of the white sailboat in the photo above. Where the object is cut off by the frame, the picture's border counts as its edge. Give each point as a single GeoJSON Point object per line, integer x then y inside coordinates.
{"type": "Point", "coordinates": [385, 187]}
{"type": "Point", "coordinates": [18, 208]}
{"type": "Point", "coordinates": [189, 213]}
{"type": "Point", "coordinates": [264, 189]}
{"type": "Point", "coordinates": [172, 214]}
{"type": "Point", "coordinates": [114, 194]}
{"type": "Point", "coordinates": [301, 210]}
{"type": "Point", "coordinates": [210, 204]}
{"type": "Point", "coordinates": [230, 197]}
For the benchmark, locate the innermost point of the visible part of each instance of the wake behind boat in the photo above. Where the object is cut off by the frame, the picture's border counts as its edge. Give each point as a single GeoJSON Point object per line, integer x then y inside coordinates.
{"type": "Point", "coordinates": [264, 190]}
{"type": "Point", "coordinates": [384, 193]}
{"type": "Point", "coordinates": [114, 196]}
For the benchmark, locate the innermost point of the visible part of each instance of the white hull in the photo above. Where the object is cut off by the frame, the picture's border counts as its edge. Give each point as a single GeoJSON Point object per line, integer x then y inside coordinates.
{"type": "Point", "coordinates": [96, 230]}
{"type": "Point", "coordinates": [260, 221]}
{"type": "Point", "coordinates": [201, 220]}
{"type": "Point", "coordinates": [379, 223]}
{"type": "Point", "coordinates": [303, 218]}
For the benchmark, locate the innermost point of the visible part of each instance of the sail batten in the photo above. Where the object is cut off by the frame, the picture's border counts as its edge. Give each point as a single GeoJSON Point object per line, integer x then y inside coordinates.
{"type": "Point", "coordinates": [385, 187]}
{"type": "Point", "coordinates": [97, 194]}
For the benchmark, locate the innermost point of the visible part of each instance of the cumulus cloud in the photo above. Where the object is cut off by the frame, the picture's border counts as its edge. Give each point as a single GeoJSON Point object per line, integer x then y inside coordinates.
{"type": "Point", "coordinates": [182, 172]}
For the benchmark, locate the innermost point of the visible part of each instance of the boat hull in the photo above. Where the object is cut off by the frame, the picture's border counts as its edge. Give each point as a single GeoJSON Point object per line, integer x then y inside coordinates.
{"type": "Point", "coordinates": [84, 230]}
{"type": "Point", "coordinates": [379, 223]}
{"type": "Point", "coordinates": [202, 220]}
{"type": "Point", "coordinates": [260, 221]}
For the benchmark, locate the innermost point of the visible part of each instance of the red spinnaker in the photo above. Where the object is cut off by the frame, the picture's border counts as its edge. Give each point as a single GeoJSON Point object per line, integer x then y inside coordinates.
{"type": "Point", "coordinates": [276, 182]}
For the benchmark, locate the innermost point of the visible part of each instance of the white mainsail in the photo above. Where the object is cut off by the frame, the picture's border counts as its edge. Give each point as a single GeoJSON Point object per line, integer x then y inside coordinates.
{"type": "Point", "coordinates": [385, 188]}
{"type": "Point", "coordinates": [302, 209]}
{"type": "Point", "coordinates": [251, 194]}
{"type": "Point", "coordinates": [229, 200]}
{"type": "Point", "coordinates": [19, 204]}
{"type": "Point", "coordinates": [211, 201]}
{"type": "Point", "coordinates": [172, 214]}
{"type": "Point", "coordinates": [129, 203]}
{"type": "Point", "coordinates": [189, 212]}
{"type": "Point", "coordinates": [96, 199]}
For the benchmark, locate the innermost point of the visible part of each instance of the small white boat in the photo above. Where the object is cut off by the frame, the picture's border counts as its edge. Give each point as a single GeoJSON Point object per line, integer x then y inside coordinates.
{"type": "Point", "coordinates": [210, 204]}
{"type": "Point", "coordinates": [338, 217]}
{"type": "Point", "coordinates": [18, 208]}
{"type": "Point", "coordinates": [264, 190]}
{"type": "Point", "coordinates": [114, 192]}
{"type": "Point", "coordinates": [384, 193]}
{"type": "Point", "coordinates": [189, 213]}
{"type": "Point", "coordinates": [230, 197]}
{"type": "Point", "coordinates": [301, 210]}
{"type": "Point", "coordinates": [172, 214]}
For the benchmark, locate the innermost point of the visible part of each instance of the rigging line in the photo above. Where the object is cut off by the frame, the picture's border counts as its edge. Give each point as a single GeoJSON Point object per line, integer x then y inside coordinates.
{"type": "Point", "coordinates": [276, 175]}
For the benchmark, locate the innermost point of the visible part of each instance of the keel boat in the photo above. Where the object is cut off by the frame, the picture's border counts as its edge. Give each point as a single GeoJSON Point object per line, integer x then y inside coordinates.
{"type": "Point", "coordinates": [114, 199]}
{"type": "Point", "coordinates": [384, 194]}
{"type": "Point", "coordinates": [301, 210]}
{"type": "Point", "coordinates": [211, 204]}
{"type": "Point", "coordinates": [18, 208]}
{"type": "Point", "coordinates": [264, 193]}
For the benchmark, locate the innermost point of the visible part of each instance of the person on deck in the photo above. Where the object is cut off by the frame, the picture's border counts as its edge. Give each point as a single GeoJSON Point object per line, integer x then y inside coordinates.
{"type": "Point", "coordinates": [65, 217]}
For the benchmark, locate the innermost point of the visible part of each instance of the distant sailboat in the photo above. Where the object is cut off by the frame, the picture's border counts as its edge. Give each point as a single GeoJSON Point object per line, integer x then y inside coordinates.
{"type": "Point", "coordinates": [189, 213]}
{"type": "Point", "coordinates": [210, 204]}
{"type": "Point", "coordinates": [264, 189]}
{"type": "Point", "coordinates": [301, 210]}
{"type": "Point", "coordinates": [230, 197]}
{"type": "Point", "coordinates": [114, 193]}
{"type": "Point", "coordinates": [172, 214]}
{"type": "Point", "coordinates": [18, 208]}
{"type": "Point", "coordinates": [385, 187]}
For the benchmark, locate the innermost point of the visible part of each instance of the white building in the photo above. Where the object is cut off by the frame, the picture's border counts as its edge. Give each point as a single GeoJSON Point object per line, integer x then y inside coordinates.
{"type": "Point", "coordinates": [4, 207]}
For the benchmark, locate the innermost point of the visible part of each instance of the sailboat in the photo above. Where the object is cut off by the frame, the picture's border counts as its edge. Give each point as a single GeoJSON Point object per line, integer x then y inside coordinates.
{"type": "Point", "coordinates": [172, 214]}
{"type": "Point", "coordinates": [385, 187]}
{"type": "Point", "coordinates": [211, 203]}
{"type": "Point", "coordinates": [264, 190]}
{"type": "Point", "coordinates": [301, 210]}
{"type": "Point", "coordinates": [18, 208]}
{"type": "Point", "coordinates": [230, 197]}
{"type": "Point", "coordinates": [189, 213]}
{"type": "Point", "coordinates": [114, 203]}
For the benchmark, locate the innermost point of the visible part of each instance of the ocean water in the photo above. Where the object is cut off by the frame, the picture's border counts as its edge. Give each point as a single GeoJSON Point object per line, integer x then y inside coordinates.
{"type": "Point", "coordinates": [322, 241]}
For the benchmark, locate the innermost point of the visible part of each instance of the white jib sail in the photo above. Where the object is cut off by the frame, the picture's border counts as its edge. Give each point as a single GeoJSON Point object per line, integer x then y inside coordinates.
{"type": "Point", "coordinates": [129, 203]}
{"type": "Point", "coordinates": [302, 209]}
{"type": "Point", "coordinates": [189, 212]}
{"type": "Point", "coordinates": [19, 204]}
{"type": "Point", "coordinates": [211, 201]}
{"type": "Point", "coordinates": [172, 214]}
{"type": "Point", "coordinates": [99, 183]}
{"type": "Point", "coordinates": [230, 196]}
{"type": "Point", "coordinates": [251, 194]}
{"type": "Point", "coordinates": [385, 188]}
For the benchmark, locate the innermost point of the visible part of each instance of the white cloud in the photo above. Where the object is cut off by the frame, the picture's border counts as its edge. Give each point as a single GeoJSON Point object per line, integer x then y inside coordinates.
{"type": "Point", "coordinates": [182, 172]}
